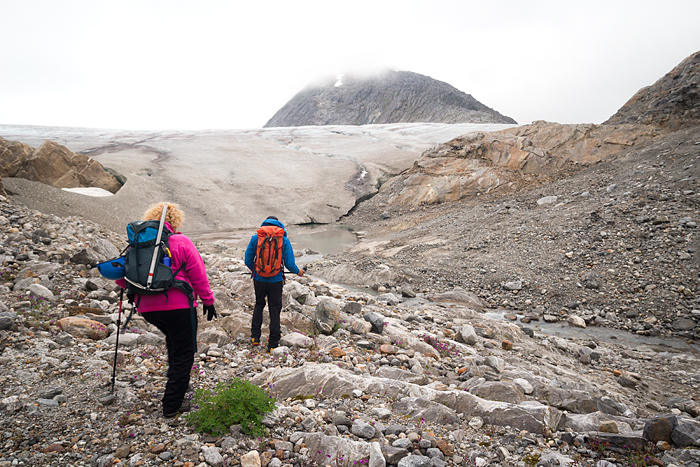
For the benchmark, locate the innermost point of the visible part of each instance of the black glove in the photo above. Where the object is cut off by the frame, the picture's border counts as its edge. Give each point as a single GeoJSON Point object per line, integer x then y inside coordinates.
{"type": "Point", "coordinates": [210, 312]}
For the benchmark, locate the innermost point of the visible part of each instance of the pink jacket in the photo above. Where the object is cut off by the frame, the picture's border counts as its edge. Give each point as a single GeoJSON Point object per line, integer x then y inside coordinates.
{"type": "Point", "coordinates": [194, 272]}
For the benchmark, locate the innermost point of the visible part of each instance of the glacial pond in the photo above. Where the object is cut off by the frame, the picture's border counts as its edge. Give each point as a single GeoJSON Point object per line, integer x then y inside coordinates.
{"type": "Point", "coordinates": [322, 239]}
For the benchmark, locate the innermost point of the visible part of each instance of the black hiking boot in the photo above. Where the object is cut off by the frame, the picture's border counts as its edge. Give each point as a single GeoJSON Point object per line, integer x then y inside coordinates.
{"type": "Point", "coordinates": [185, 407]}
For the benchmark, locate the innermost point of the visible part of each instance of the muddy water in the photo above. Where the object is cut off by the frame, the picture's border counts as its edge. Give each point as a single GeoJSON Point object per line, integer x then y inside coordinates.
{"type": "Point", "coordinates": [608, 335]}
{"type": "Point", "coordinates": [320, 239]}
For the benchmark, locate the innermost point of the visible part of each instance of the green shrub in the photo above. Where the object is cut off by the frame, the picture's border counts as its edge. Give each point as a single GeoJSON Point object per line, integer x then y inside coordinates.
{"type": "Point", "coordinates": [231, 403]}
{"type": "Point", "coordinates": [531, 460]}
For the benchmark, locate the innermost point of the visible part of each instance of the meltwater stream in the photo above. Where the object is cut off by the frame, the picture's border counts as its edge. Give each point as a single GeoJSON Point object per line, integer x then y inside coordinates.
{"type": "Point", "coordinates": [328, 239]}
{"type": "Point", "coordinates": [605, 334]}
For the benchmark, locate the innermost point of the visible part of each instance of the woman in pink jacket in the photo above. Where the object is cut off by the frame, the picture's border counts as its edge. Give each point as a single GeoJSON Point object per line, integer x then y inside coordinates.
{"type": "Point", "coordinates": [172, 314]}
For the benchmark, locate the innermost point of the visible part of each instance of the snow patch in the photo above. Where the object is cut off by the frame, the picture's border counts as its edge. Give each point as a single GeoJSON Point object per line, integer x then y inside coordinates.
{"type": "Point", "coordinates": [89, 191]}
{"type": "Point", "coordinates": [340, 81]}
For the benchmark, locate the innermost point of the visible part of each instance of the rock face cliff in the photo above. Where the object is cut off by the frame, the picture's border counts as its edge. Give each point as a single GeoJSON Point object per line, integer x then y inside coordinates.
{"type": "Point", "coordinates": [54, 164]}
{"type": "Point", "coordinates": [537, 153]}
{"type": "Point", "coordinates": [673, 101]}
{"type": "Point", "coordinates": [392, 97]}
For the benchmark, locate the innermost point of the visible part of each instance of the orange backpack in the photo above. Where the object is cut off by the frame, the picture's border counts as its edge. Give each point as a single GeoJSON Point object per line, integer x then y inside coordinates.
{"type": "Point", "coordinates": [268, 254]}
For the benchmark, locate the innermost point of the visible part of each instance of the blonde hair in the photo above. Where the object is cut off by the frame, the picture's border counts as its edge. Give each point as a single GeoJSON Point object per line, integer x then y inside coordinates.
{"type": "Point", "coordinates": [173, 215]}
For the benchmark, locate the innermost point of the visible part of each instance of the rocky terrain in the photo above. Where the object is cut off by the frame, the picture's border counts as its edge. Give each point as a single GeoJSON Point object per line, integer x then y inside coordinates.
{"type": "Point", "coordinates": [433, 353]}
{"type": "Point", "coordinates": [390, 97]}
{"type": "Point", "coordinates": [550, 221]}
{"type": "Point", "coordinates": [427, 380]}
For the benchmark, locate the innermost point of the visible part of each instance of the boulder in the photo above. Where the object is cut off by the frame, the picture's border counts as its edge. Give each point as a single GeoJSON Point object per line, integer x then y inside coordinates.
{"type": "Point", "coordinates": [504, 391]}
{"type": "Point", "coordinates": [376, 320]}
{"type": "Point", "coordinates": [84, 328]}
{"type": "Point", "coordinates": [296, 340]}
{"type": "Point", "coordinates": [55, 165]}
{"type": "Point", "coordinates": [467, 334]}
{"type": "Point", "coordinates": [660, 428]}
{"type": "Point", "coordinates": [326, 315]}
{"type": "Point", "coordinates": [461, 296]}
{"type": "Point", "coordinates": [420, 410]}
{"type": "Point", "coordinates": [335, 450]}
{"type": "Point", "coordinates": [686, 433]}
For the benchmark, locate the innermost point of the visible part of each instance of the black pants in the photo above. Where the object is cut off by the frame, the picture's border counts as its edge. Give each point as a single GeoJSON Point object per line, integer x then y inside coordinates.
{"type": "Point", "coordinates": [177, 325]}
{"type": "Point", "coordinates": [272, 291]}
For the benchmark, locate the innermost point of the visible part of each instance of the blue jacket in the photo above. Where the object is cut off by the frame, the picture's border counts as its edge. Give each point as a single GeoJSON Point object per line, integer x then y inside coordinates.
{"type": "Point", "coordinates": [287, 255]}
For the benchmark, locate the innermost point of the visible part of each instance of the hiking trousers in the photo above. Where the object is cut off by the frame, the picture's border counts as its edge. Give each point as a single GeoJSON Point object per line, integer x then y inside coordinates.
{"type": "Point", "coordinates": [179, 327]}
{"type": "Point", "coordinates": [272, 292]}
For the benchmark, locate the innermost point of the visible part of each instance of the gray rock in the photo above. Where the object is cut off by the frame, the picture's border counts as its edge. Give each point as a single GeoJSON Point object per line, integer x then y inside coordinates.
{"type": "Point", "coordinates": [554, 459]}
{"type": "Point", "coordinates": [353, 308]}
{"type": "Point", "coordinates": [687, 432]}
{"type": "Point", "coordinates": [524, 385]}
{"type": "Point", "coordinates": [415, 461]}
{"type": "Point", "coordinates": [394, 429]}
{"type": "Point", "coordinates": [626, 381]}
{"type": "Point", "coordinates": [388, 298]}
{"type": "Point", "coordinates": [362, 429]}
{"type": "Point", "coordinates": [660, 428]}
{"type": "Point", "coordinates": [326, 315]}
{"type": "Point", "coordinates": [322, 447]}
{"type": "Point", "coordinates": [212, 456]}
{"type": "Point", "coordinates": [296, 340]}
{"type": "Point", "coordinates": [39, 291]}
{"type": "Point", "coordinates": [393, 454]}
{"type": "Point", "coordinates": [403, 443]}
{"type": "Point", "coordinates": [376, 457]}
{"type": "Point", "coordinates": [467, 334]}
{"type": "Point", "coordinates": [6, 323]}
{"type": "Point", "coordinates": [400, 375]}
{"type": "Point", "coordinates": [49, 392]}
{"type": "Point", "coordinates": [504, 391]}
{"type": "Point", "coordinates": [376, 320]}
{"type": "Point", "coordinates": [547, 200]}
{"type": "Point", "coordinates": [309, 423]}
{"type": "Point", "coordinates": [497, 363]}
{"type": "Point", "coordinates": [422, 410]}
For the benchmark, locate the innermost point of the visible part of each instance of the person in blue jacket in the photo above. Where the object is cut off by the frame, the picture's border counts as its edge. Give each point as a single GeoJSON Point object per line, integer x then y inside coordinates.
{"type": "Point", "coordinates": [269, 288]}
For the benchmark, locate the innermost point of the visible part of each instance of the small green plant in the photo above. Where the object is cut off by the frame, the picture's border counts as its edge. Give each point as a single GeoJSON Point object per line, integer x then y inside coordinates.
{"type": "Point", "coordinates": [299, 397]}
{"type": "Point", "coordinates": [234, 402]}
{"type": "Point", "coordinates": [639, 457]}
{"type": "Point", "coordinates": [531, 459]}
{"type": "Point", "coordinates": [598, 445]}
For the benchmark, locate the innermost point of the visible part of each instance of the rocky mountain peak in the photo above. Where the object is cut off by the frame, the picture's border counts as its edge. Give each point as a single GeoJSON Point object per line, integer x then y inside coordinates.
{"type": "Point", "coordinates": [390, 97]}
{"type": "Point", "coordinates": [673, 101]}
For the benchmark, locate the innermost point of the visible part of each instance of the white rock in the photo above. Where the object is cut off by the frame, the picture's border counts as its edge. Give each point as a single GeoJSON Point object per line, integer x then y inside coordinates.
{"type": "Point", "coordinates": [40, 291]}
{"type": "Point", "coordinates": [252, 459]}
{"type": "Point", "coordinates": [547, 200]}
{"type": "Point", "coordinates": [476, 423]}
{"type": "Point", "coordinates": [577, 321]}
{"type": "Point", "coordinates": [524, 385]}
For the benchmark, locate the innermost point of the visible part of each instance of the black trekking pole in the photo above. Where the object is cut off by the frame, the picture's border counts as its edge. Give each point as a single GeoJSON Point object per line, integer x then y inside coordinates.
{"type": "Point", "coordinates": [116, 347]}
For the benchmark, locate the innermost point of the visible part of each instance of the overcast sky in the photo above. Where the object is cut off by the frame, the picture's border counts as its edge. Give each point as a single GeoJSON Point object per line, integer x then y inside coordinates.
{"type": "Point", "coordinates": [170, 64]}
